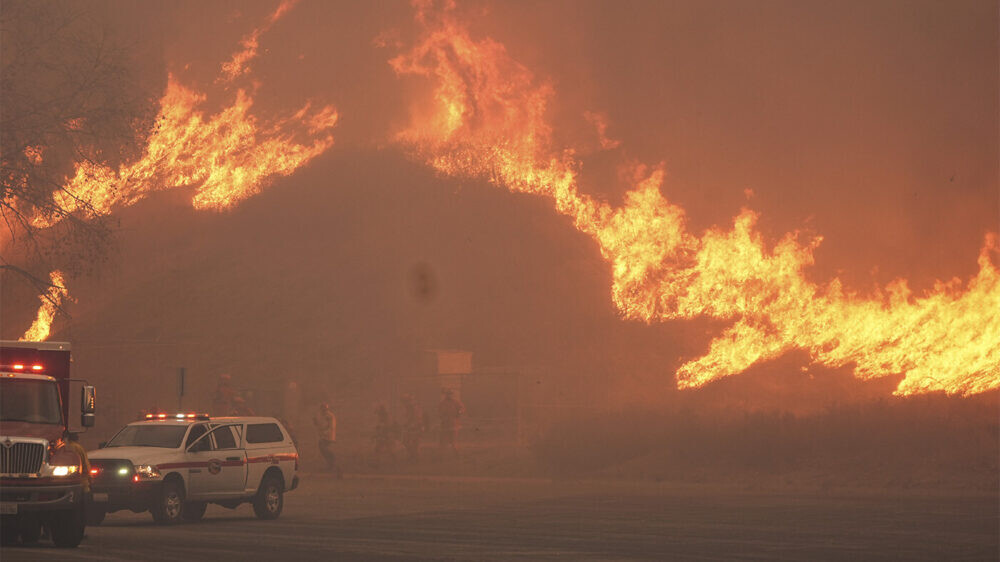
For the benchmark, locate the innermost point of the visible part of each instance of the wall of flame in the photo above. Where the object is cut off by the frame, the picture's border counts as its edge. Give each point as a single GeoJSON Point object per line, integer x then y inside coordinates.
{"type": "Point", "coordinates": [487, 118]}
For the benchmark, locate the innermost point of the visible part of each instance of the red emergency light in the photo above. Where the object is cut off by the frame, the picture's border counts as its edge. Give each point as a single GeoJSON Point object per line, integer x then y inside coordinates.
{"type": "Point", "coordinates": [179, 416]}
{"type": "Point", "coordinates": [22, 366]}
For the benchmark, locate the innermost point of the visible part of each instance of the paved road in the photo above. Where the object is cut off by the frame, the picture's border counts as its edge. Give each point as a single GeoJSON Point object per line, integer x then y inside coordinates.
{"type": "Point", "coordinates": [401, 518]}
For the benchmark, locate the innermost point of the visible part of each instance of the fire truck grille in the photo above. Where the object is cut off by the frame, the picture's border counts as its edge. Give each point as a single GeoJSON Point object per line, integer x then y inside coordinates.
{"type": "Point", "coordinates": [21, 458]}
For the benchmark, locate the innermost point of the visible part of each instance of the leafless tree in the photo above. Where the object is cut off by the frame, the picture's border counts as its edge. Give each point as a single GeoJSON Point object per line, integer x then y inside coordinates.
{"type": "Point", "coordinates": [67, 95]}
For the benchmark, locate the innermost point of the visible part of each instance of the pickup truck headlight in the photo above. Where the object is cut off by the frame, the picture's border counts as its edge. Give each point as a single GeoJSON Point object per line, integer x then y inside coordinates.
{"type": "Point", "coordinates": [146, 472]}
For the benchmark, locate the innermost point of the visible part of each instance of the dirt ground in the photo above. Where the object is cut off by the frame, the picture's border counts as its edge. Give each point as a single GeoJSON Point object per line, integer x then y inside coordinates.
{"type": "Point", "coordinates": [481, 518]}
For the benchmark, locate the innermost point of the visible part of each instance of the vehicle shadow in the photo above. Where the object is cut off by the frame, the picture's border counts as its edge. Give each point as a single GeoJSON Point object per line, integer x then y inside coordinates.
{"type": "Point", "coordinates": [139, 521]}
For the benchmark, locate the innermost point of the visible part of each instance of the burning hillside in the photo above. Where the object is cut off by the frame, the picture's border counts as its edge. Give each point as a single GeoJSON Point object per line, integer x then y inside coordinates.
{"type": "Point", "coordinates": [478, 113]}
{"type": "Point", "coordinates": [657, 279]}
{"type": "Point", "coordinates": [487, 118]}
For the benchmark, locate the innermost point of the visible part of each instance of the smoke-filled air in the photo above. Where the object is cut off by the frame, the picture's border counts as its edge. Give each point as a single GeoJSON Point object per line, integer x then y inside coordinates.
{"type": "Point", "coordinates": [500, 279]}
{"type": "Point", "coordinates": [487, 118]}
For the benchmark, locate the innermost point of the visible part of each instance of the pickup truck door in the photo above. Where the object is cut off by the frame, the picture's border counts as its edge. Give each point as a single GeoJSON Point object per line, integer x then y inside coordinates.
{"type": "Point", "coordinates": [218, 464]}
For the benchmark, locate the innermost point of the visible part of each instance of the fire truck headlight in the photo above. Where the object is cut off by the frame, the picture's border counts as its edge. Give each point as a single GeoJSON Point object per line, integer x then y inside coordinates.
{"type": "Point", "coordinates": [65, 470]}
{"type": "Point", "coordinates": [146, 472]}
{"type": "Point", "coordinates": [61, 464]}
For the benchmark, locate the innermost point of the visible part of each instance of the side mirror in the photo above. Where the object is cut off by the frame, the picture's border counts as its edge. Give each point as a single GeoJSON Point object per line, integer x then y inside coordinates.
{"type": "Point", "coordinates": [88, 400]}
{"type": "Point", "coordinates": [102, 444]}
{"type": "Point", "coordinates": [88, 404]}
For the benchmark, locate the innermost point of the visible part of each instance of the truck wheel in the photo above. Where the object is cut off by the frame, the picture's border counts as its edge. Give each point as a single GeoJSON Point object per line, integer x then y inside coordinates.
{"type": "Point", "coordinates": [67, 528]}
{"type": "Point", "coordinates": [270, 498]}
{"type": "Point", "coordinates": [193, 511]}
{"type": "Point", "coordinates": [30, 529]}
{"type": "Point", "coordinates": [8, 532]}
{"type": "Point", "coordinates": [169, 505]}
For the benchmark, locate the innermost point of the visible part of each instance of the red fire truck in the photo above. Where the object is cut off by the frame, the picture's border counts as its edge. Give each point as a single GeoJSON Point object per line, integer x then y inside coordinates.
{"type": "Point", "coordinates": [42, 470]}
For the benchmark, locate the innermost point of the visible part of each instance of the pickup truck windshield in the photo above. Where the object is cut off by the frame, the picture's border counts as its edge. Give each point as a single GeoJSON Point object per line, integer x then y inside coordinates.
{"type": "Point", "coordinates": [167, 436]}
{"type": "Point", "coordinates": [26, 400]}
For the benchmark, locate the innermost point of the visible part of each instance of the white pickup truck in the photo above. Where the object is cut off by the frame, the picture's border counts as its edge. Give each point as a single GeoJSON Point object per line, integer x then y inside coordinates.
{"type": "Point", "coordinates": [174, 465]}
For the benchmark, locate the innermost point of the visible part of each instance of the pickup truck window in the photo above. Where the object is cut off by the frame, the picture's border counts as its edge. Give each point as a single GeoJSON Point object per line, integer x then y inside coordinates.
{"type": "Point", "coordinates": [224, 438]}
{"type": "Point", "coordinates": [264, 433]}
{"type": "Point", "coordinates": [196, 432]}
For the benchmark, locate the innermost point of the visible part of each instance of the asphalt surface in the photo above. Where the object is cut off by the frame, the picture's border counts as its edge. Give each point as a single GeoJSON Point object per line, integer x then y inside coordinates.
{"type": "Point", "coordinates": [368, 518]}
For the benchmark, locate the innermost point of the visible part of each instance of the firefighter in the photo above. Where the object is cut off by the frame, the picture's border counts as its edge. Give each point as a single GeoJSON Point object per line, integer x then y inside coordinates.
{"type": "Point", "coordinates": [290, 405]}
{"type": "Point", "coordinates": [241, 408]}
{"type": "Point", "coordinates": [450, 410]}
{"type": "Point", "coordinates": [73, 444]}
{"type": "Point", "coordinates": [385, 435]}
{"type": "Point", "coordinates": [326, 427]}
{"type": "Point", "coordinates": [223, 401]}
{"type": "Point", "coordinates": [413, 426]}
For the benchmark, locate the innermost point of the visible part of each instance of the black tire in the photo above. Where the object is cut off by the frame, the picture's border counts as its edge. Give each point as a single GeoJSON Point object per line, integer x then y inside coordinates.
{"type": "Point", "coordinates": [8, 532]}
{"type": "Point", "coordinates": [270, 498]}
{"type": "Point", "coordinates": [193, 511]}
{"type": "Point", "coordinates": [67, 528]}
{"type": "Point", "coordinates": [30, 529]}
{"type": "Point", "coordinates": [168, 506]}
{"type": "Point", "coordinates": [95, 516]}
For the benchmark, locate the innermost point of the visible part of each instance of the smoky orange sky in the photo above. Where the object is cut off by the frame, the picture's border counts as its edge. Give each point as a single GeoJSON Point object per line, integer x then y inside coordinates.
{"type": "Point", "coordinates": [871, 124]}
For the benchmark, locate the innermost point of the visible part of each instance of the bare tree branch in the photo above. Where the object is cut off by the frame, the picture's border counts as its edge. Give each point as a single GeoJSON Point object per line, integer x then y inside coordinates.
{"type": "Point", "coordinates": [67, 96]}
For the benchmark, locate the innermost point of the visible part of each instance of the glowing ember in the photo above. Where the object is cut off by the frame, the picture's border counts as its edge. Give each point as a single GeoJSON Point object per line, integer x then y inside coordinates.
{"type": "Point", "coordinates": [53, 297]}
{"type": "Point", "coordinates": [34, 154]}
{"type": "Point", "coordinates": [228, 156]}
{"type": "Point", "coordinates": [486, 118]}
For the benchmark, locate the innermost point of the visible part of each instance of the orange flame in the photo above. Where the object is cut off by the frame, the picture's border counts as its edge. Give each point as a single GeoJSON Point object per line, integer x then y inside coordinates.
{"type": "Point", "coordinates": [239, 64]}
{"type": "Point", "coordinates": [486, 118]}
{"type": "Point", "coordinates": [227, 157]}
{"type": "Point", "coordinates": [34, 154]}
{"type": "Point", "coordinates": [39, 330]}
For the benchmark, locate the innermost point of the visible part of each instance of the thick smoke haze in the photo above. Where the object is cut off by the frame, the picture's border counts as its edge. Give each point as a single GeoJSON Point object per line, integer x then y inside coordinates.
{"type": "Point", "coordinates": [871, 124]}
{"type": "Point", "coordinates": [874, 125]}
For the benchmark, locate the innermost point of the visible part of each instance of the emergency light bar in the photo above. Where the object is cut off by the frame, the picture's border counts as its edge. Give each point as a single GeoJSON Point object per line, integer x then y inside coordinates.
{"type": "Point", "coordinates": [179, 416]}
{"type": "Point", "coordinates": [22, 367]}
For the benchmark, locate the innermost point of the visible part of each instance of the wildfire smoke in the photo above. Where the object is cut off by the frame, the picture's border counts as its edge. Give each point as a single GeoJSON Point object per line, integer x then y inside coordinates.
{"type": "Point", "coordinates": [487, 118]}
